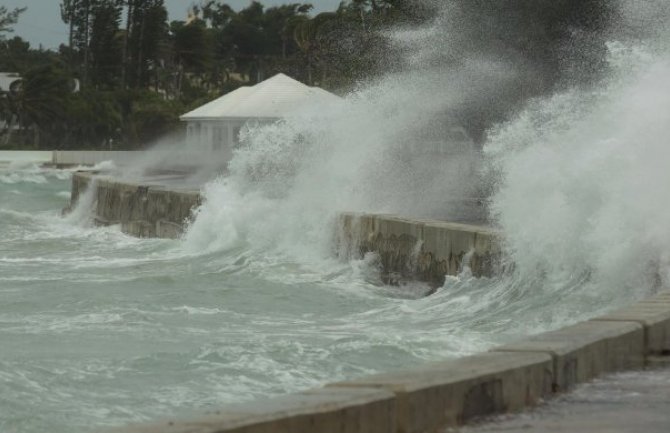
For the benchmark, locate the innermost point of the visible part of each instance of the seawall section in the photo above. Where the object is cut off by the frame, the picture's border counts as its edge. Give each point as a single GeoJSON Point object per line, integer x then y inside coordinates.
{"type": "Point", "coordinates": [14, 158]}
{"type": "Point", "coordinates": [170, 159]}
{"type": "Point", "coordinates": [408, 249]}
{"type": "Point", "coordinates": [73, 158]}
{"type": "Point", "coordinates": [142, 210]}
{"type": "Point", "coordinates": [415, 249]}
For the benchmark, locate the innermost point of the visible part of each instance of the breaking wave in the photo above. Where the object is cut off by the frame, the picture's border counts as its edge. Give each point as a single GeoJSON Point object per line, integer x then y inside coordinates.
{"type": "Point", "coordinates": [583, 174]}
{"type": "Point", "coordinates": [573, 181]}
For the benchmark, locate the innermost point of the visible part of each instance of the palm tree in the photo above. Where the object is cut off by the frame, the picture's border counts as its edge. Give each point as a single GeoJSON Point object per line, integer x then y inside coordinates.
{"type": "Point", "coordinates": [308, 34]}
{"type": "Point", "coordinates": [37, 100]}
{"type": "Point", "coordinates": [8, 19]}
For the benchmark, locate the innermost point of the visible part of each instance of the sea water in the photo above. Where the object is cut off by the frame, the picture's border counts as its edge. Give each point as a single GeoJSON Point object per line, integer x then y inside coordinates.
{"type": "Point", "coordinates": [98, 328]}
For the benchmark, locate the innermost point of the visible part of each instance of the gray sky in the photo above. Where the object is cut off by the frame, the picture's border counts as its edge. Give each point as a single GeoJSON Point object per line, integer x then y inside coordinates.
{"type": "Point", "coordinates": [41, 23]}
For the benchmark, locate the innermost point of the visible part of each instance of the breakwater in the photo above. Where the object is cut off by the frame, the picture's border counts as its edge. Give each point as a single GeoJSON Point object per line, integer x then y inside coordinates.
{"type": "Point", "coordinates": [408, 249]}
{"type": "Point", "coordinates": [142, 210]}
{"type": "Point", "coordinates": [415, 249]}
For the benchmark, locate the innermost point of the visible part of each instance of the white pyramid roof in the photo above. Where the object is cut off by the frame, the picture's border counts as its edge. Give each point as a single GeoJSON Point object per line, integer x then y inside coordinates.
{"type": "Point", "coordinates": [274, 98]}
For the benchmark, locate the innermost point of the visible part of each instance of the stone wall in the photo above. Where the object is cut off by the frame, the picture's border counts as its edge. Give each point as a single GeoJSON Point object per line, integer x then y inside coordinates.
{"type": "Point", "coordinates": [408, 249]}
{"type": "Point", "coordinates": [418, 249]}
{"type": "Point", "coordinates": [73, 158]}
{"type": "Point", "coordinates": [140, 210]}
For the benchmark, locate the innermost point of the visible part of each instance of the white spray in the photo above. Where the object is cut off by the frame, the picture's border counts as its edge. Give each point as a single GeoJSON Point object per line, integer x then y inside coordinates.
{"type": "Point", "coordinates": [379, 151]}
{"type": "Point", "coordinates": [579, 178]}
{"type": "Point", "coordinates": [585, 175]}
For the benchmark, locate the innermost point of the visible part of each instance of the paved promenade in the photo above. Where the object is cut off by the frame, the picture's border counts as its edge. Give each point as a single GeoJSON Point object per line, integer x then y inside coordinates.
{"type": "Point", "coordinates": [633, 402]}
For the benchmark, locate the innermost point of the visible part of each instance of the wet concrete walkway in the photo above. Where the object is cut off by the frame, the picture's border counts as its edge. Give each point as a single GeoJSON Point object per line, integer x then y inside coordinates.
{"type": "Point", "coordinates": [635, 402]}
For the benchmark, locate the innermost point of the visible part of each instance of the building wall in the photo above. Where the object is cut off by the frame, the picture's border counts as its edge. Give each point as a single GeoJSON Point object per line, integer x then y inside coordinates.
{"type": "Point", "coordinates": [220, 136]}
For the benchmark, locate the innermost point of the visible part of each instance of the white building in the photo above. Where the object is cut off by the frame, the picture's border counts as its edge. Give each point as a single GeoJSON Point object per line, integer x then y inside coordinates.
{"type": "Point", "coordinates": [217, 124]}
{"type": "Point", "coordinates": [7, 79]}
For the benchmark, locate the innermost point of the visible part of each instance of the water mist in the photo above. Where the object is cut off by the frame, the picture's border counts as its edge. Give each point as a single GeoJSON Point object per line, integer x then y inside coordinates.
{"type": "Point", "coordinates": [575, 176]}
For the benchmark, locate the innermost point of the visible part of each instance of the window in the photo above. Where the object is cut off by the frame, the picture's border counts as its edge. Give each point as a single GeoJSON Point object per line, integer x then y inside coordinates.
{"type": "Point", "coordinates": [217, 143]}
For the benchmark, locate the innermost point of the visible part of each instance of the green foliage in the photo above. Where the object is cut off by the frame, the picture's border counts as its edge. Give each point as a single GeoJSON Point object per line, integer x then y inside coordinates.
{"type": "Point", "coordinates": [17, 56]}
{"type": "Point", "coordinates": [147, 41]}
{"type": "Point", "coordinates": [150, 117]}
{"type": "Point", "coordinates": [92, 26]}
{"type": "Point", "coordinates": [8, 19]}
{"type": "Point", "coordinates": [92, 119]}
{"type": "Point", "coordinates": [36, 101]}
{"type": "Point", "coordinates": [192, 45]}
{"type": "Point", "coordinates": [39, 95]}
{"type": "Point", "coordinates": [105, 44]}
{"type": "Point", "coordinates": [255, 42]}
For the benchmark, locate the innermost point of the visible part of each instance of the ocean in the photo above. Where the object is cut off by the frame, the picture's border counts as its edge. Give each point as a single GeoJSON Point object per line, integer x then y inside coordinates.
{"type": "Point", "coordinates": [98, 328]}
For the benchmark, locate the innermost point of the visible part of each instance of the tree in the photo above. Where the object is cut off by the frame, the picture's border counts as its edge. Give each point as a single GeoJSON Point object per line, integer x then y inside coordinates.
{"type": "Point", "coordinates": [92, 119]}
{"type": "Point", "coordinates": [8, 19]}
{"type": "Point", "coordinates": [37, 101]}
{"type": "Point", "coordinates": [256, 41]}
{"type": "Point", "coordinates": [192, 48]}
{"type": "Point", "coordinates": [14, 54]}
{"type": "Point", "coordinates": [147, 41]}
{"type": "Point", "coordinates": [309, 35]}
{"type": "Point", "coordinates": [106, 44]}
{"type": "Point", "coordinates": [93, 26]}
{"type": "Point", "coordinates": [77, 14]}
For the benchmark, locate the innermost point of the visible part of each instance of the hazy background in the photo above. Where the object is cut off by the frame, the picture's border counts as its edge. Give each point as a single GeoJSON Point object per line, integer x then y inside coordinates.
{"type": "Point", "coordinates": [41, 23]}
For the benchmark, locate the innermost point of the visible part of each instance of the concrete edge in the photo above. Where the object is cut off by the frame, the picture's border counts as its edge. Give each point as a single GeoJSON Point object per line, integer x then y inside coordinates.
{"type": "Point", "coordinates": [423, 250]}
{"type": "Point", "coordinates": [141, 210]}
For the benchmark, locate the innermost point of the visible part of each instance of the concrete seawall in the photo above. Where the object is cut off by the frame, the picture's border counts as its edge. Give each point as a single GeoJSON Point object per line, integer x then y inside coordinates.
{"type": "Point", "coordinates": [415, 249]}
{"type": "Point", "coordinates": [141, 210]}
{"type": "Point", "coordinates": [70, 158]}
{"type": "Point", "coordinates": [408, 249]}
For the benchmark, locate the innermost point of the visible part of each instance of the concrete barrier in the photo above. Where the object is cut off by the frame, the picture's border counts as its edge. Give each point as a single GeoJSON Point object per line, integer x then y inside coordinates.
{"type": "Point", "coordinates": [446, 394]}
{"type": "Point", "coordinates": [586, 350]}
{"type": "Point", "coordinates": [140, 210]}
{"type": "Point", "coordinates": [159, 158]}
{"type": "Point", "coordinates": [12, 158]}
{"type": "Point", "coordinates": [654, 315]}
{"type": "Point", "coordinates": [327, 410]}
{"type": "Point", "coordinates": [422, 249]}
{"type": "Point", "coordinates": [418, 249]}
{"type": "Point", "coordinates": [73, 158]}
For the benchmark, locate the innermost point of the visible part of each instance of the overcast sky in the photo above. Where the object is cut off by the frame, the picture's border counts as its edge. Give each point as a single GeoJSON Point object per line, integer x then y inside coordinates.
{"type": "Point", "coordinates": [41, 23]}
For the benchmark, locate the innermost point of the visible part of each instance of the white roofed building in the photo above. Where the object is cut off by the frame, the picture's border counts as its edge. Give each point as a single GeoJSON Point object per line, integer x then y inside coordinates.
{"type": "Point", "coordinates": [217, 124]}
{"type": "Point", "coordinates": [7, 80]}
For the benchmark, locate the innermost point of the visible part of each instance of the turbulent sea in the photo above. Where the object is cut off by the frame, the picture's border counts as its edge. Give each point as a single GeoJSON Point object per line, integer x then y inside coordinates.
{"type": "Point", "coordinates": [98, 328]}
